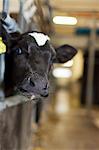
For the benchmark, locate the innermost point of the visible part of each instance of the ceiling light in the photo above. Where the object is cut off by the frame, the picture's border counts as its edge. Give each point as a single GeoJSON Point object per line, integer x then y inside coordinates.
{"type": "Point", "coordinates": [62, 73]}
{"type": "Point", "coordinates": [68, 64]}
{"type": "Point", "coordinates": [65, 20]}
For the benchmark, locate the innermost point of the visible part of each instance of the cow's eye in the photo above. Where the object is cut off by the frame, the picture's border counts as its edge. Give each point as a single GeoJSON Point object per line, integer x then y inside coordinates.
{"type": "Point", "coordinates": [19, 51]}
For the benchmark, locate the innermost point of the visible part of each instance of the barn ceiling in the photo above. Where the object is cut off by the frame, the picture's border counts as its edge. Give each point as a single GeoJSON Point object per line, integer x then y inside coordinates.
{"type": "Point", "coordinates": [86, 12]}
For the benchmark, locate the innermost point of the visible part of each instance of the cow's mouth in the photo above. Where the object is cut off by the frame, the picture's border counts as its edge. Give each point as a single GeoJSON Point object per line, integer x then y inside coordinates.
{"type": "Point", "coordinates": [31, 95]}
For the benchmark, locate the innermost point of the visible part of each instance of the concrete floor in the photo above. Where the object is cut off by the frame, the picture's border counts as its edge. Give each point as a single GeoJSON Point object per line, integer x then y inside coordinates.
{"type": "Point", "coordinates": [68, 130]}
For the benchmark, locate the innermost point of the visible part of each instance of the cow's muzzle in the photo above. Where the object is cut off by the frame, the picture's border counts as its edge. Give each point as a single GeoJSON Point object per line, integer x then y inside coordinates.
{"type": "Point", "coordinates": [37, 86]}
{"type": "Point", "coordinates": [42, 86]}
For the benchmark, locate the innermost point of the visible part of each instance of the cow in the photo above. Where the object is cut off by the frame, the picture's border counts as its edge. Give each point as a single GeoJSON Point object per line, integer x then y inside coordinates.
{"type": "Point", "coordinates": [28, 60]}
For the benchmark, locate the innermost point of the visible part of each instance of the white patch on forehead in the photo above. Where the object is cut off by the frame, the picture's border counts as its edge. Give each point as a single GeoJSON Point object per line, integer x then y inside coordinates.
{"type": "Point", "coordinates": [40, 38]}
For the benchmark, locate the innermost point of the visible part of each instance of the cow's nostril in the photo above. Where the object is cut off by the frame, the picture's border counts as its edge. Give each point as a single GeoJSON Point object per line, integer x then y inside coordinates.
{"type": "Point", "coordinates": [31, 82]}
{"type": "Point", "coordinates": [46, 87]}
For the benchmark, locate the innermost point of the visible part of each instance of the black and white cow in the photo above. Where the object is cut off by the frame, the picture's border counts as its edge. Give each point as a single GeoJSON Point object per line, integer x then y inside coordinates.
{"type": "Point", "coordinates": [28, 59]}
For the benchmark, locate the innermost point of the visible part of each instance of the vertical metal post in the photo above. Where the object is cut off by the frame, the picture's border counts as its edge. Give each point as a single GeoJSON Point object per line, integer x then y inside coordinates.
{"type": "Point", "coordinates": [5, 6]}
{"type": "Point", "coordinates": [2, 64]}
{"type": "Point", "coordinates": [90, 75]}
{"type": "Point", "coordinates": [21, 18]}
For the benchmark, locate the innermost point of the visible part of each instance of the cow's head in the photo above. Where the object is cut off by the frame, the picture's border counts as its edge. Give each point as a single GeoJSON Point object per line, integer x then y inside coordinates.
{"type": "Point", "coordinates": [32, 56]}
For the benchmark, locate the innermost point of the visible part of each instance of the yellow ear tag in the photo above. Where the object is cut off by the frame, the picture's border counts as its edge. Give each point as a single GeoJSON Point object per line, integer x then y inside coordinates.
{"type": "Point", "coordinates": [2, 46]}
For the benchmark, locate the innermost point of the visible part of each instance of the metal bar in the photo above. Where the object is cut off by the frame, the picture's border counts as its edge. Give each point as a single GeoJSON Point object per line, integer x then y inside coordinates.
{"type": "Point", "coordinates": [2, 68]}
{"type": "Point", "coordinates": [6, 6]}
{"type": "Point", "coordinates": [41, 19]}
{"type": "Point", "coordinates": [49, 8]}
{"type": "Point", "coordinates": [90, 75]}
{"type": "Point", "coordinates": [21, 18]}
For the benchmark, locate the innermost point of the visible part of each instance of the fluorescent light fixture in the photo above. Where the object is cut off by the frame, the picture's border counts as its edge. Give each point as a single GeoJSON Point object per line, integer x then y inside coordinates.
{"type": "Point", "coordinates": [62, 73]}
{"type": "Point", "coordinates": [68, 64]}
{"type": "Point", "coordinates": [65, 20]}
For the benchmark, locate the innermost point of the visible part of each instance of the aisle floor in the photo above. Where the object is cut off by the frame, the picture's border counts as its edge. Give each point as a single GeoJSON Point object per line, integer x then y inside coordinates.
{"type": "Point", "coordinates": [71, 130]}
{"type": "Point", "coordinates": [74, 131]}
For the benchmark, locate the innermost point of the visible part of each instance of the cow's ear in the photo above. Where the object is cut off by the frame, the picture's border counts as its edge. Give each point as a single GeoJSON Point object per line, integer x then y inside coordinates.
{"type": "Point", "coordinates": [64, 53]}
